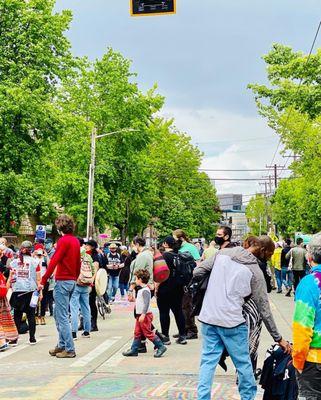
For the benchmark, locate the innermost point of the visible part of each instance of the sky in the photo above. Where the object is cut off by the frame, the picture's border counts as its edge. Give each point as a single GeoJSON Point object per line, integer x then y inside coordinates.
{"type": "Point", "coordinates": [202, 60]}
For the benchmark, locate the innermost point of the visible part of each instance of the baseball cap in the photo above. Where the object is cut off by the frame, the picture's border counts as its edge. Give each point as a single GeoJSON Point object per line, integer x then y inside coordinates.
{"type": "Point", "coordinates": [92, 243]}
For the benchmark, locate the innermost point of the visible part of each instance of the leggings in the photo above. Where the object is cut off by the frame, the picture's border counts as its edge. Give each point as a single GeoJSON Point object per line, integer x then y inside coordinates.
{"type": "Point", "coordinates": [21, 305]}
{"type": "Point", "coordinates": [171, 301]}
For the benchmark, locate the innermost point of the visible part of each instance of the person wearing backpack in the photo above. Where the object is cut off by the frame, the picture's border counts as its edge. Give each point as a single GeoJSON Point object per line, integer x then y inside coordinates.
{"type": "Point", "coordinates": [80, 296]}
{"type": "Point", "coordinates": [170, 294]}
{"type": "Point", "coordinates": [185, 246]}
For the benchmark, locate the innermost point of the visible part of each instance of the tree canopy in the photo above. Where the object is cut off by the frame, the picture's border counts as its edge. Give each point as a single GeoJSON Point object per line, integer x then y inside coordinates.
{"type": "Point", "coordinates": [292, 106]}
{"type": "Point", "coordinates": [49, 103]}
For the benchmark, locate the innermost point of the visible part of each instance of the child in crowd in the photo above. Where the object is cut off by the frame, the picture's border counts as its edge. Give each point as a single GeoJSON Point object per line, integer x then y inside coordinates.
{"type": "Point", "coordinates": [143, 326]}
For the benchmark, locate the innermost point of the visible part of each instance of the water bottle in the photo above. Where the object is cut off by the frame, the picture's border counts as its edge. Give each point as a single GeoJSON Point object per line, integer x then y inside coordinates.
{"type": "Point", "coordinates": [13, 276]}
{"type": "Point", "coordinates": [34, 299]}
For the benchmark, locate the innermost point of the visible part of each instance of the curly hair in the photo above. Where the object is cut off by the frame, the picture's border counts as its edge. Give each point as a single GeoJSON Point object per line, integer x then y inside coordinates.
{"type": "Point", "coordinates": [65, 224]}
{"type": "Point", "coordinates": [143, 274]}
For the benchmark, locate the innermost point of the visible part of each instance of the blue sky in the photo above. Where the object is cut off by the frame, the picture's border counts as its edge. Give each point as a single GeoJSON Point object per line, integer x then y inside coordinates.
{"type": "Point", "coordinates": [202, 59]}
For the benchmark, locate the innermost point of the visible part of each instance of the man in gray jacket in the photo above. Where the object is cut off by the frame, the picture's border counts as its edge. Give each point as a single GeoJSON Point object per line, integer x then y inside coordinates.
{"type": "Point", "coordinates": [234, 275]}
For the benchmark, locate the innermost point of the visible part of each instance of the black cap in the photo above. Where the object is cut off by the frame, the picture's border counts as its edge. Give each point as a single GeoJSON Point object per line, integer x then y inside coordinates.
{"type": "Point", "coordinates": [170, 241]}
{"type": "Point", "coordinates": [92, 243]}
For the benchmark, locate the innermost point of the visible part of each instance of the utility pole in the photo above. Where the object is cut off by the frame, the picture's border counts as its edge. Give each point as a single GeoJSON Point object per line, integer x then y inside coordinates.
{"type": "Point", "coordinates": [91, 177]}
{"type": "Point", "coordinates": [276, 168]}
{"type": "Point", "coordinates": [91, 184]}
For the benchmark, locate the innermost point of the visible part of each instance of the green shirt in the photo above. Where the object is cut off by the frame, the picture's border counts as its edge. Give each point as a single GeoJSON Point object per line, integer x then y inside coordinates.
{"type": "Point", "coordinates": [189, 247]}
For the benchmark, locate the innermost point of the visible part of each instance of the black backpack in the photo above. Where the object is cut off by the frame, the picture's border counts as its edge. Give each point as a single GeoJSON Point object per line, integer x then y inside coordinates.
{"type": "Point", "coordinates": [197, 289]}
{"type": "Point", "coordinates": [184, 265]}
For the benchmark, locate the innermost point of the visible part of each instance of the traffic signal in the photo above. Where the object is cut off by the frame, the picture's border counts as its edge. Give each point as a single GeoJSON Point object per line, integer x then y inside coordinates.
{"type": "Point", "coordinates": [152, 7]}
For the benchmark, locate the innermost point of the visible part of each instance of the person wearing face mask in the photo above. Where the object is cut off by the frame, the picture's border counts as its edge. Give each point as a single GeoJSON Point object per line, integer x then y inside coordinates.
{"type": "Point", "coordinates": [9, 253]}
{"type": "Point", "coordinates": [114, 265]}
{"type": "Point", "coordinates": [223, 237]}
{"type": "Point", "coordinates": [234, 275]}
{"type": "Point", "coordinates": [25, 276]}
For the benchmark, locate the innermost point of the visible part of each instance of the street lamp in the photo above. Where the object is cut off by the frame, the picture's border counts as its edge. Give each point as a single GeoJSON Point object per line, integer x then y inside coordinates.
{"type": "Point", "coordinates": [91, 178]}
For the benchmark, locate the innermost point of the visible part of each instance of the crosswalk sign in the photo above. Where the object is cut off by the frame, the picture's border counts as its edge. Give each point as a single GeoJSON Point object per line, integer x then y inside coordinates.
{"type": "Point", "coordinates": [152, 7]}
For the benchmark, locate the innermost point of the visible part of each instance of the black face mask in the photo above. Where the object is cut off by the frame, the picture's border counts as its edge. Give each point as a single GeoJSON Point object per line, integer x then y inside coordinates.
{"type": "Point", "coordinates": [219, 240]}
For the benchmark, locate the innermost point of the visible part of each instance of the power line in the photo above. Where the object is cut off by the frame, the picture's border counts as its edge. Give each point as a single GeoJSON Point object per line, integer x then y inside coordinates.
{"type": "Point", "coordinates": [233, 170]}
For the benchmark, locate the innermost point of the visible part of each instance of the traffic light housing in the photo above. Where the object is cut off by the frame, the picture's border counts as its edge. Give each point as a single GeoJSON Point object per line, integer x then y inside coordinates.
{"type": "Point", "coordinates": [152, 7]}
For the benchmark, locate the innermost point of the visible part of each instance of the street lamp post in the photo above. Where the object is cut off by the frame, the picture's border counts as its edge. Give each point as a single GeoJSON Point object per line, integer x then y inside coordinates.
{"type": "Point", "coordinates": [91, 177]}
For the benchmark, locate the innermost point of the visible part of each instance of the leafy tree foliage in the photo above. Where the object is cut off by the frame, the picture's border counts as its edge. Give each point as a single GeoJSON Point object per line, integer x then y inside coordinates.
{"type": "Point", "coordinates": [50, 102]}
{"type": "Point", "coordinates": [292, 106]}
{"type": "Point", "coordinates": [258, 213]}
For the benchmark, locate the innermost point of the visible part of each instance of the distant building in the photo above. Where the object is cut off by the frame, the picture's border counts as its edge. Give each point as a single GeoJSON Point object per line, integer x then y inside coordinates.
{"type": "Point", "coordinates": [233, 215]}
{"type": "Point", "coordinates": [230, 202]}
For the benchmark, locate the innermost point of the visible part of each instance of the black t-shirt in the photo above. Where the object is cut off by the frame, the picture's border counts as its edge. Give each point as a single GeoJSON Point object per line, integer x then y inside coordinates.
{"type": "Point", "coordinates": [113, 258]}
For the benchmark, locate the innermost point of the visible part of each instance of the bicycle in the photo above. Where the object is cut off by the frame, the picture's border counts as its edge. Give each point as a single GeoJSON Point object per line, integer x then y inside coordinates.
{"type": "Point", "coordinates": [103, 307]}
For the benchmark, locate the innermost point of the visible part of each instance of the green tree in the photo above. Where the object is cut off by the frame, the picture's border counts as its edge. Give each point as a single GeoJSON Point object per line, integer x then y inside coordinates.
{"type": "Point", "coordinates": [292, 106]}
{"type": "Point", "coordinates": [34, 59]}
{"type": "Point", "coordinates": [258, 214]}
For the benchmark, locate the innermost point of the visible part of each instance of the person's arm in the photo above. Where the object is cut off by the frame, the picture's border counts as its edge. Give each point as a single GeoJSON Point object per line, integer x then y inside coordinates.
{"type": "Point", "coordinates": [303, 321]}
{"type": "Point", "coordinates": [289, 254]}
{"type": "Point", "coordinates": [204, 267]}
{"type": "Point", "coordinates": [146, 301]}
{"type": "Point", "coordinates": [56, 259]}
{"type": "Point", "coordinates": [261, 300]}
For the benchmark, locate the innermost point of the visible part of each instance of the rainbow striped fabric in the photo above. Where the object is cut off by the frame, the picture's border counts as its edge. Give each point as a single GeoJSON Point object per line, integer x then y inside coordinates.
{"type": "Point", "coordinates": [307, 320]}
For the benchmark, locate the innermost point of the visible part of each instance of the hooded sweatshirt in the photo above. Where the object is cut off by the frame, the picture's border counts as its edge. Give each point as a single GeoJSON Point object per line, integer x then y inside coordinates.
{"type": "Point", "coordinates": [213, 305]}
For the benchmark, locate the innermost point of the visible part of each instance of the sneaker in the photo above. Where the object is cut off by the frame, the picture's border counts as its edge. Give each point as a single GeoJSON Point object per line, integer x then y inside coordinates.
{"type": "Point", "coordinates": [279, 291]}
{"type": "Point", "coordinates": [130, 353]}
{"type": "Point", "coordinates": [176, 336]}
{"type": "Point", "coordinates": [74, 335]}
{"type": "Point", "coordinates": [94, 329]}
{"type": "Point", "coordinates": [85, 334]}
{"type": "Point", "coordinates": [181, 340]}
{"type": "Point", "coordinates": [55, 351]}
{"type": "Point", "coordinates": [4, 347]}
{"type": "Point", "coordinates": [142, 348]}
{"type": "Point", "coordinates": [288, 293]}
{"type": "Point", "coordinates": [32, 341]}
{"type": "Point", "coordinates": [13, 343]}
{"type": "Point", "coordinates": [42, 321]}
{"type": "Point", "coordinates": [66, 354]}
{"type": "Point", "coordinates": [165, 339]}
{"type": "Point", "coordinates": [160, 351]}
{"type": "Point", "coordinates": [191, 335]}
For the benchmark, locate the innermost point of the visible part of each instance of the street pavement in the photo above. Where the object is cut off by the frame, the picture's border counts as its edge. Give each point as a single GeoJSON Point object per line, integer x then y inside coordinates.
{"type": "Point", "coordinates": [101, 372]}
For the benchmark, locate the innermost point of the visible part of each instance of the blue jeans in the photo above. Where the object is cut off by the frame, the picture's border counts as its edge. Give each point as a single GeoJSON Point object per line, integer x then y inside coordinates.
{"type": "Point", "coordinates": [113, 283]}
{"type": "Point", "coordinates": [123, 287]}
{"type": "Point", "coordinates": [62, 293]}
{"type": "Point", "coordinates": [287, 277]}
{"type": "Point", "coordinates": [278, 277]}
{"type": "Point", "coordinates": [80, 300]}
{"type": "Point", "coordinates": [235, 340]}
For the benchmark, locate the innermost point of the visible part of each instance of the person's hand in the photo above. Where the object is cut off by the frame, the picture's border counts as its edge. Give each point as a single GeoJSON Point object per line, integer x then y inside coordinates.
{"type": "Point", "coordinates": [141, 319]}
{"type": "Point", "coordinates": [40, 296]}
{"type": "Point", "coordinates": [131, 297]}
{"type": "Point", "coordinates": [286, 346]}
{"type": "Point", "coordinates": [40, 287]}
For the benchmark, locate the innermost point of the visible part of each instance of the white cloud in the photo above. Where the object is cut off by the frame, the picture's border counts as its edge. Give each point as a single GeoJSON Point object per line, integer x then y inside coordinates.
{"type": "Point", "coordinates": [229, 141]}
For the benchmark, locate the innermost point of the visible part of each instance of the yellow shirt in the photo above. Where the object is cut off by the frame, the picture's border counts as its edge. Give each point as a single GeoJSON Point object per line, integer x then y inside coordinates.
{"type": "Point", "coordinates": [276, 258]}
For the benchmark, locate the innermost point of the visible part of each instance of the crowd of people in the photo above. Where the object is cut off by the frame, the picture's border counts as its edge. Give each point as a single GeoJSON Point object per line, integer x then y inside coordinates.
{"type": "Point", "coordinates": [59, 279]}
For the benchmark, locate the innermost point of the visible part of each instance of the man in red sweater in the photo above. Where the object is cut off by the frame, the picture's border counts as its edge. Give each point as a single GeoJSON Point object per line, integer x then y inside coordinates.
{"type": "Point", "coordinates": [66, 264]}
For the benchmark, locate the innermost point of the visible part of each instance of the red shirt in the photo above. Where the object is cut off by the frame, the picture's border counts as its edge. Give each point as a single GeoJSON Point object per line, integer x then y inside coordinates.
{"type": "Point", "coordinates": [66, 259]}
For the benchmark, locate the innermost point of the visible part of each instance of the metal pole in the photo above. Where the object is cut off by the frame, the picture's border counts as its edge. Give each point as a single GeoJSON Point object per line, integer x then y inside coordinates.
{"type": "Point", "coordinates": [91, 183]}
